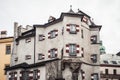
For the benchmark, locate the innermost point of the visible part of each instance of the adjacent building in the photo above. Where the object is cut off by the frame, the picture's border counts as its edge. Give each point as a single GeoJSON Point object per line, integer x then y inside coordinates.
{"type": "Point", "coordinates": [5, 51]}
{"type": "Point", "coordinates": [66, 48]}
{"type": "Point", "coordinates": [110, 67]}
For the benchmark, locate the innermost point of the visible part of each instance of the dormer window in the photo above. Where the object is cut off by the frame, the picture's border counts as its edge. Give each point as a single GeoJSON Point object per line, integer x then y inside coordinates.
{"type": "Point", "coordinates": [72, 28]}
{"type": "Point", "coordinates": [52, 34]}
{"type": "Point", "coordinates": [85, 19]}
{"type": "Point", "coordinates": [94, 39]}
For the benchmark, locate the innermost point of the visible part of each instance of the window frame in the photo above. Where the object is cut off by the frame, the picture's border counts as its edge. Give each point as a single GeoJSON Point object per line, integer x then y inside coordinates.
{"type": "Point", "coordinates": [94, 39]}
{"type": "Point", "coordinates": [72, 50]}
{"type": "Point", "coordinates": [73, 29]}
{"type": "Point", "coordinates": [52, 53]}
{"type": "Point", "coordinates": [106, 71]}
{"type": "Point", "coordinates": [8, 49]}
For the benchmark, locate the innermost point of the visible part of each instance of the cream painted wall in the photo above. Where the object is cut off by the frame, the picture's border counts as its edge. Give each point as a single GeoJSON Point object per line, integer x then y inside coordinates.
{"type": "Point", "coordinates": [4, 59]}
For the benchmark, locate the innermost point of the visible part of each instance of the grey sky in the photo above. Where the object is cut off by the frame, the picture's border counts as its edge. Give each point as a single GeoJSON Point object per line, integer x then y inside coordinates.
{"type": "Point", "coordinates": [29, 12]}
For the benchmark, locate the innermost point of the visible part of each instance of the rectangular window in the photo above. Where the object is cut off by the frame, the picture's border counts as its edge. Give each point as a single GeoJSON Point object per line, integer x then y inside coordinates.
{"type": "Point", "coordinates": [27, 40]}
{"type": "Point", "coordinates": [106, 71]}
{"type": "Point", "coordinates": [114, 62]}
{"type": "Point", "coordinates": [106, 62]}
{"type": "Point", "coordinates": [52, 53]}
{"type": "Point", "coordinates": [27, 57]}
{"type": "Point", "coordinates": [8, 49]}
{"type": "Point", "coordinates": [41, 37]}
{"type": "Point", "coordinates": [52, 34]}
{"type": "Point", "coordinates": [25, 75]}
{"type": "Point", "coordinates": [72, 50]}
{"type": "Point", "coordinates": [35, 75]}
{"type": "Point", "coordinates": [114, 71]}
{"type": "Point", "coordinates": [94, 58]}
{"type": "Point", "coordinates": [94, 39]}
{"type": "Point", "coordinates": [72, 28]}
{"type": "Point", "coordinates": [95, 76]}
{"type": "Point", "coordinates": [40, 56]}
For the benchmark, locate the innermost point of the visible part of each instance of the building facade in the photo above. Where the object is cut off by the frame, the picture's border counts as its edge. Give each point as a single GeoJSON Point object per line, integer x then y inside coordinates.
{"type": "Point", "coordinates": [110, 67]}
{"type": "Point", "coordinates": [5, 51]}
{"type": "Point", "coordinates": [66, 48]}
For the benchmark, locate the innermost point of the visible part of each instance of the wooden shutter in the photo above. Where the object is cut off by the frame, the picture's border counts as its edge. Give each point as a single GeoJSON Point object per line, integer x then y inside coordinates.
{"type": "Point", "coordinates": [15, 75]}
{"type": "Point", "coordinates": [77, 28]}
{"type": "Point", "coordinates": [56, 32]}
{"type": "Point", "coordinates": [30, 75]}
{"type": "Point", "coordinates": [83, 74]}
{"type": "Point", "coordinates": [48, 53]}
{"type": "Point", "coordinates": [43, 37]}
{"type": "Point", "coordinates": [43, 56]}
{"type": "Point", "coordinates": [49, 35]}
{"type": "Point", "coordinates": [67, 48]}
{"type": "Point", "coordinates": [68, 27]}
{"type": "Point", "coordinates": [92, 76]}
{"type": "Point", "coordinates": [56, 52]}
{"type": "Point", "coordinates": [38, 73]}
{"type": "Point", "coordinates": [85, 19]}
{"type": "Point", "coordinates": [21, 72]}
{"type": "Point", "coordinates": [10, 75]}
{"type": "Point", "coordinates": [77, 48]}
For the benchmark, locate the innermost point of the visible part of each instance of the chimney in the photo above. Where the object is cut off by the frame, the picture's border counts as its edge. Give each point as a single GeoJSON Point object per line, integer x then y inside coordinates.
{"type": "Point", "coordinates": [3, 34]}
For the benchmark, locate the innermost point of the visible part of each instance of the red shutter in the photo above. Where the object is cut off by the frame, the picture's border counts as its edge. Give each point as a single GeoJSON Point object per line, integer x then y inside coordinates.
{"type": "Point", "coordinates": [49, 54]}
{"type": "Point", "coordinates": [43, 37]}
{"type": "Point", "coordinates": [10, 75]}
{"type": "Point", "coordinates": [56, 32]}
{"type": "Point", "coordinates": [43, 56]}
{"type": "Point", "coordinates": [15, 75]}
{"type": "Point", "coordinates": [68, 27]}
{"type": "Point", "coordinates": [20, 75]}
{"type": "Point", "coordinates": [77, 28]}
{"type": "Point", "coordinates": [49, 35]}
{"type": "Point", "coordinates": [67, 48]}
{"type": "Point", "coordinates": [92, 76]}
{"type": "Point", "coordinates": [85, 19]}
{"type": "Point", "coordinates": [56, 52]}
{"type": "Point", "coordinates": [30, 75]}
{"type": "Point", "coordinates": [83, 75]}
{"type": "Point", "coordinates": [38, 73]}
{"type": "Point", "coordinates": [77, 48]}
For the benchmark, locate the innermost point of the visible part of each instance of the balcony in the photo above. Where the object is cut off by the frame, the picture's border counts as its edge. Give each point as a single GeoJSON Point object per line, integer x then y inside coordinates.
{"type": "Point", "coordinates": [110, 76]}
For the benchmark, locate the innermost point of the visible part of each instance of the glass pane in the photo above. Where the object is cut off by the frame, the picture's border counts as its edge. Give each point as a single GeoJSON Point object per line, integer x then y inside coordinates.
{"type": "Point", "coordinates": [52, 53]}
{"type": "Point", "coordinates": [72, 28]}
{"type": "Point", "coordinates": [72, 50]}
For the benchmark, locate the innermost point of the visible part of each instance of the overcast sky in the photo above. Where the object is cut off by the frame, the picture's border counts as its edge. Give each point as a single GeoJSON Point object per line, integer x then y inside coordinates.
{"type": "Point", "coordinates": [29, 12]}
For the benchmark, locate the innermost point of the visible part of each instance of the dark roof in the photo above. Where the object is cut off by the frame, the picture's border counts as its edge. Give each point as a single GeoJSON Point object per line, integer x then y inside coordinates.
{"type": "Point", "coordinates": [60, 19]}
{"type": "Point", "coordinates": [118, 54]}
{"type": "Point", "coordinates": [26, 65]}
{"type": "Point", "coordinates": [96, 26]}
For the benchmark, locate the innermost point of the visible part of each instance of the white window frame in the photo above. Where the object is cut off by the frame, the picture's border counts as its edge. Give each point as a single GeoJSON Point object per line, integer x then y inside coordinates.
{"type": "Point", "coordinates": [72, 50]}
{"type": "Point", "coordinates": [73, 29]}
